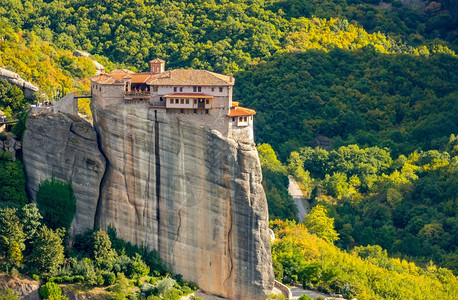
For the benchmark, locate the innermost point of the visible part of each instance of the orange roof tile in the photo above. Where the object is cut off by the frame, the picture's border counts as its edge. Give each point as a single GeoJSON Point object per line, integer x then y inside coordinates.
{"type": "Point", "coordinates": [241, 111]}
{"type": "Point", "coordinates": [122, 71]}
{"type": "Point", "coordinates": [189, 95]}
{"type": "Point", "coordinates": [191, 77]}
{"type": "Point", "coordinates": [105, 79]}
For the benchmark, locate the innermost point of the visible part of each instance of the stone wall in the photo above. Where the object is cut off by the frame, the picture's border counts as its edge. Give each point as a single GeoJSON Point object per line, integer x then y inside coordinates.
{"type": "Point", "coordinates": [67, 104]}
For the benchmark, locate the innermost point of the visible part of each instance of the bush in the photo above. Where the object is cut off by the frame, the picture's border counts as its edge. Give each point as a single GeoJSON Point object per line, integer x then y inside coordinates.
{"type": "Point", "coordinates": [12, 180]}
{"type": "Point", "coordinates": [305, 297]}
{"type": "Point", "coordinates": [172, 294]}
{"type": "Point", "coordinates": [8, 294]}
{"type": "Point", "coordinates": [57, 203]}
{"type": "Point", "coordinates": [109, 278]}
{"type": "Point", "coordinates": [50, 290]}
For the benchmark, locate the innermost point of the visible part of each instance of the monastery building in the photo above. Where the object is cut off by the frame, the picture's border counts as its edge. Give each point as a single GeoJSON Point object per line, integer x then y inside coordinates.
{"type": "Point", "coordinates": [197, 96]}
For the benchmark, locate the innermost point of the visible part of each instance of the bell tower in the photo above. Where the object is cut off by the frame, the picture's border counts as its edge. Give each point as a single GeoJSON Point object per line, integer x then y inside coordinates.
{"type": "Point", "coordinates": [157, 66]}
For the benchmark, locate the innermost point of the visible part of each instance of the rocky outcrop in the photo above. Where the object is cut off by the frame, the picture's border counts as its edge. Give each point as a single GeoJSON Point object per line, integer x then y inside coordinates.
{"type": "Point", "coordinates": [27, 88]}
{"type": "Point", "coordinates": [189, 192]}
{"type": "Point", "coordinates": [23, 287]}
{"type": "Point", "coordinates": [65, 147]}
{"type": "Point", "coordinates": [98, 66]}
{"type": "Point", "coordinates": [10, 144]}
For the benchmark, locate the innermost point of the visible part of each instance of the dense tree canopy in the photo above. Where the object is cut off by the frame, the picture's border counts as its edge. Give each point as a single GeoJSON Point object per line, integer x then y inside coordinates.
{"type": "Point", "coordinates": [401, 102]}
{"type": "Point", "coordinates": [56, 203]}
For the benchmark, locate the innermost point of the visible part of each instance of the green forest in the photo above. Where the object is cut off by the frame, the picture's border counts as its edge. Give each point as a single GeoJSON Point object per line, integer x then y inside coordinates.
{"type": "Point", "coordinates": [356, 99]}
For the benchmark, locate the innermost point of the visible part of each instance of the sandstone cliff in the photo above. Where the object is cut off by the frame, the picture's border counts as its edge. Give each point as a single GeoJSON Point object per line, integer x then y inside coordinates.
{"type": "Point", "coordinates": [190, 193]}
{"type": "Point", "coordinates": [65, 147]}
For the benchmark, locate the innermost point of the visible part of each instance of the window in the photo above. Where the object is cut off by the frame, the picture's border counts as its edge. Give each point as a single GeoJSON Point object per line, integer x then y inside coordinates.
{"type": "Point", "coordinates": [181, 88]}
{"type": "Point", "coordinates": [174, 88]}
{"type": "Point", "coordinates": [206, 111]}
{"type": "Point", "coordinates": [199, 89]}
{"type": "Point", "coordinates": [194, 89]}
{"type": "Point", "coordinates": [155, 88]}
{"type": "Point", "coordinates": [182, 111]}
{"type": "Point", "coordinates": [213, 89]}
{"type": "Point", "coordinates": [244, 119]}
{"type": "Point", "coordinates": [233, 119]}
{"type": "Point", "coordinates": [195, 101]}
{"type": "Point", "coordinates": [207, 101]}
{"type": "Point", "coordinates": [177, 101]}
{"type": "Point", "coordinates": [220, 89]}
{"type": "Point", "coordinates": [187, 101]}
{"type": "Point", "coordinates": [182, 101]}
{"type": "Point", "coordinates": [171, 101]}
{"type": "Point", "coordinates": [100, 88]}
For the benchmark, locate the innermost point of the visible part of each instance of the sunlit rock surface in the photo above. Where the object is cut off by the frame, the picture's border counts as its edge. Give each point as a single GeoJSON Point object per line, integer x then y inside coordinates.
{"type": "Point", "coordinates": [190, 193]}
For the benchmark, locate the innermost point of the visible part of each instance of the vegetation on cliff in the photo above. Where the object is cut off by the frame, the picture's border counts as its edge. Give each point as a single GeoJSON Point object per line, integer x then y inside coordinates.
{"type": "Point", "coordinates": [34, 245]}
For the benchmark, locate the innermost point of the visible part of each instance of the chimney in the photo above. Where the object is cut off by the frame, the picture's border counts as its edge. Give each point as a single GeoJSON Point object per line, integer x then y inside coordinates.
{"type": "Point", "coordinates": [157, 66]}
{"type": "Point", "coordinates": [230, 78]}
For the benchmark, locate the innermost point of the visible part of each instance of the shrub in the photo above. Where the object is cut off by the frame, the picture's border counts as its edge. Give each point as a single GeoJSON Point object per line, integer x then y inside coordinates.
{"type": "Point", "coordinates": [109, 278]}
{"type": "Point", "coordinates": [50, 290]}
{"type": "Point", "coordinates": [8, 294]}
{"type": "Point", "coordinates": [12, 180]}
{"type": "Point", "coordinates": [172, 294]}
{"type": "Point", "coordinates": [57, 203]}
{"type": "Point", "coordinates": [305, 297]}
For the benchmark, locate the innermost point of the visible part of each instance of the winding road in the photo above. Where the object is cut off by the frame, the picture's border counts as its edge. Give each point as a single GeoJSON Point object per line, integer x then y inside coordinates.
{"type": "Point", "coordinates": [296, 193]}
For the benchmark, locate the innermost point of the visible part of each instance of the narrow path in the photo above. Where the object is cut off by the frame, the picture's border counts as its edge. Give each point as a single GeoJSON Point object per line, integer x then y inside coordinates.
{"type": "Point", "coordinates": [298, 291]}
{"type": "Point", "coordinates": [296, 193]}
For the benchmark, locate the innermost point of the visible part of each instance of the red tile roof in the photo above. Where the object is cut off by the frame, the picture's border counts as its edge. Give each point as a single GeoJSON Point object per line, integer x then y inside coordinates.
{"type": "Point", "coordinates": [241, 111]}
{"type": "Point", "coordinates": [105, 79]}
{"type": "Point", "coordinates": [185, 77]}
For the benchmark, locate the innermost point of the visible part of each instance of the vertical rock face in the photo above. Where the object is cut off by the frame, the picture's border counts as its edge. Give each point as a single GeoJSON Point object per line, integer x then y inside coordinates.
{"type": "Point", "coordinates": [65, 147]}
{"type": "Point", "coordinates": [190, 193]}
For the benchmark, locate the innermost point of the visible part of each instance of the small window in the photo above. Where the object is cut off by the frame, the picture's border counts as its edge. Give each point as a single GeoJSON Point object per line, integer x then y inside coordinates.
{"type": "Point", "coordinates": [100, 88]}
{"type": "Point", "coordinates": [155, 88]}
{"type": "Point", "coordinates": [171, 101]}
{"type": "Point", "coordinates": [174, 88]}
{"type": "Point", "coordinates": [181, 88]}
{"type": "Point", "coordinates": [187, 101]}
{"type": "Point", "coordinates": [182, 101]}
{"type": "Point", "coordinates": [245, 119]}
{"type": "Point", "coordinates": [182, 111]}
{"type": "Point", "coordinates": [213, 89]}
{"type": "Point", "coordinates": [177, 101]}
{"type": "Point", "coordinates": [195, 101]}
{"type": "Point", "coordinates": [207, 101]}
{"type": "Point", "coordinates": [220, 89]}
{"type": "Point", "coordinates": [233, 119]}
{"type": "Point", "coordinates": [199, 89]}
{"type": "Point", "coordinates": [194, 89]}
